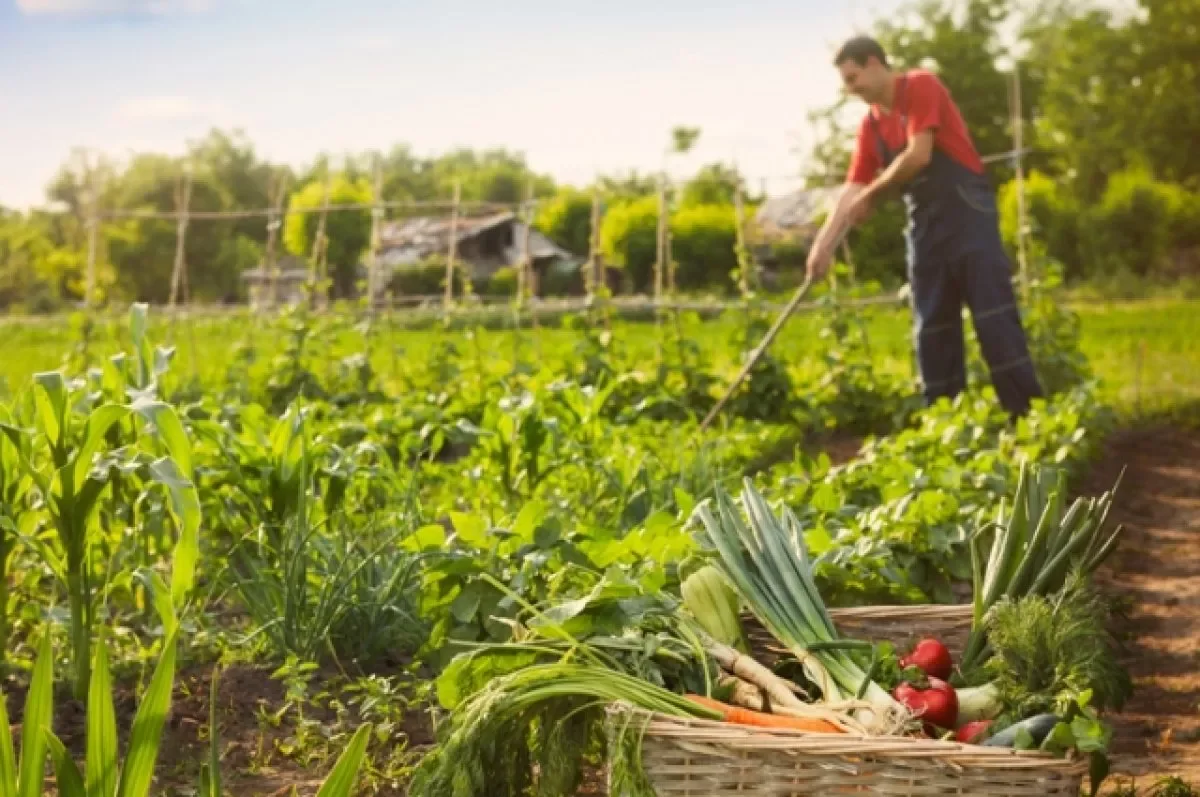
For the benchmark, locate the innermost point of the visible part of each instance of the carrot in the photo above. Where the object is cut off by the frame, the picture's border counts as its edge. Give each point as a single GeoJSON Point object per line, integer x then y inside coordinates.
{"type": "Point", "coordinates": [759, 719]}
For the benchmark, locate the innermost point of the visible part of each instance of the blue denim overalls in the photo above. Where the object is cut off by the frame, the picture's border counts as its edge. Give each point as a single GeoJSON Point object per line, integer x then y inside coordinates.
{"type": "Point", "coordinates": [954, 254]}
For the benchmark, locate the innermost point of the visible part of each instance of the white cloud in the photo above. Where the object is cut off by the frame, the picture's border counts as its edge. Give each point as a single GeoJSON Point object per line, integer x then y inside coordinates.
{"type": "Point", "coordinates": [166, 109]}
{"type": "Point", "coordinates": [102, 7]}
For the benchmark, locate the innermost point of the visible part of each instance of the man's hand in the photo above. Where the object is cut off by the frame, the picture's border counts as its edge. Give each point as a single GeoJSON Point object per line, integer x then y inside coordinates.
{"type": "Point", "coordinates": [861, 208]}
{"type": "Point", "coordinates": [820, 258]}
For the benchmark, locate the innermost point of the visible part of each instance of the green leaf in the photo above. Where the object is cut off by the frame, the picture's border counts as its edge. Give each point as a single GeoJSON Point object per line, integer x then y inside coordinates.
{"type": "Point", "coordinates": [1098, 769]}
{"type": "Point", "coordinates": [185, 505]}
{"type": "Point", "coordinates": [39, 711]}
{"type": "Point", "coordinates": [98, 424]}
{"type": "Point", "coordinates": [426, 538]}
{"type": "Point", "coordinates": [51, 403]}
{"type": "Point", "coordinates": [685, 501]}
{"type": "Point", "coordinates": [528, 520]}
{"type": "Point", "coordinates": [466, 603]}
{"type": "Point", "coordinates": [170, 431]}
{"type": "Point", "coordinates": [340, 782]}
{"type": "Point", "coordinates": [69, 781]}
{"type": "Point", "coordinates": [101, 727]}
{"type": "Point", "coordinates": [161, 597]}
{"type": "Point", "coordinates": [148, 723]}
{"type": "Point", "coordinates": [8, 759]}
{"type": "Point", "coordinates": [471, 529]}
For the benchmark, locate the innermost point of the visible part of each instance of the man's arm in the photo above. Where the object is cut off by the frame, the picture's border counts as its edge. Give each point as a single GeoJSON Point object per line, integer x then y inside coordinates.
{"type": "Point", "coordinates": [915, 157]}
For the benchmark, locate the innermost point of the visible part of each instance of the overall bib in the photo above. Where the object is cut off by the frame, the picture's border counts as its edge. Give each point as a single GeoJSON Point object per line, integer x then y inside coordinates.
{"type": "Point", "coordinates": [955, 254]}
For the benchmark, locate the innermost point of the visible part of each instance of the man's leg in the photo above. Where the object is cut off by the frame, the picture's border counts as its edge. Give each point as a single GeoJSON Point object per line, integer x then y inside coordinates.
{"type": "Point", "coordinates": [938, 331]}
{"type": "Point", "coordinates": [987, 277]}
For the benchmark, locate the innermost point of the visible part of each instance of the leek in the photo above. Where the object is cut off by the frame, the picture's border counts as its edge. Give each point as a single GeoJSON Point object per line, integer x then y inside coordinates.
{"type": "Point", "coordinates": [768, 563]}
{"type": "Point", "coordinates": [1036, 545]}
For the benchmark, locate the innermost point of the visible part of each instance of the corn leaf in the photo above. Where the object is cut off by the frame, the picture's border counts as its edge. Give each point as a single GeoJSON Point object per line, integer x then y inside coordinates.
{"type": "Point", "coordinates": [185, 504]}
{"type": "Point", "coordinates": [39, 707]}
{"type": "Point", "coordinates": [51, 402]}
{"type": "Point", "coordinates": [170, 431]}
{"type": "Point", "coordinates": [98, 424]}
{"type": "Point", "coordinates": [69, 781]}
{"type": "Point", "coordinates": [148, 723]}
{"type": "Point", "coordinates": [340, 782]}
{"type": "Point", "coordinates": [8, 760]}
{"type": "Point", "coordinates": [101, 727]}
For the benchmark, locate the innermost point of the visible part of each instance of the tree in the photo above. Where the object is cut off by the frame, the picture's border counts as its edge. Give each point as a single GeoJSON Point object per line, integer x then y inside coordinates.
{"type": "Point", "coordinates": [714, 184]}
{"type": "Point", "coordinates": [628, 238]}
{"type": "Point", "coordinates": [567, 220]}
{"type": "Point", "coordinates": [348, 232]}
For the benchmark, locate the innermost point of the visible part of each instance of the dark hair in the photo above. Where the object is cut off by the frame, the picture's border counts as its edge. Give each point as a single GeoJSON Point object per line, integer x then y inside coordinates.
{"type": "Point", "coordinates": [859, 49]}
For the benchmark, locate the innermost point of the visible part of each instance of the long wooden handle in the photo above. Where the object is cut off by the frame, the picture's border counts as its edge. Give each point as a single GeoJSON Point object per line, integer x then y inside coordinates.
{"type": "Point", "coordinates": [758, 351]}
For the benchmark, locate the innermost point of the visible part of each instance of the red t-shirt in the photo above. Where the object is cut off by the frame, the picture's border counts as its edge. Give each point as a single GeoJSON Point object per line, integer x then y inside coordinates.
{"type": "Point", "coordinates": [928, 105]}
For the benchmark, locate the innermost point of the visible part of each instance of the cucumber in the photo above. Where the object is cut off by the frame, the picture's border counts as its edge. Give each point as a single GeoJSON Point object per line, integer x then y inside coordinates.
{"type": "Point", "coordinates": [1038, 726]}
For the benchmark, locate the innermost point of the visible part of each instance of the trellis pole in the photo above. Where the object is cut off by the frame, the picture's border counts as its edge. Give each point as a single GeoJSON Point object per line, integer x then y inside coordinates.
{"type": "Point", "coordinates": [93, 226]}
{"type": "Point", "coordinates": [276, 191]}
{"type": "Point", "coordinates": [376, 232]}
{"type": "Point", "coordinates": [661, 248]}
{"type": "Point", "coordinates": [527, 253]}
{"type": "Point", "coordinates": [452, 250]}
{"type": "Point", "coordinates": [317, 267]}
{"type": "Point", "coordinates": [590, 274]}
{"type": "Point", "coordinates": [1018, 119]}
{"type": "Point", "coordinates": [183, 196]}
{"type": "Point", "coordinates": [742, 253]}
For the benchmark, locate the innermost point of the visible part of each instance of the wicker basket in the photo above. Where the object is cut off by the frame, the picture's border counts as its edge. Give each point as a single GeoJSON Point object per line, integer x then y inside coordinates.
{"type": "Point", "coordinates": [697, 758]}
{"type": "Point", "coordinates": [900, 625]}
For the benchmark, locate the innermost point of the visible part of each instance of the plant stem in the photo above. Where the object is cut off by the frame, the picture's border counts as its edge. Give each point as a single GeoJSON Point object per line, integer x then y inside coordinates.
{"type": "Point", "coordinates": [80, 628]}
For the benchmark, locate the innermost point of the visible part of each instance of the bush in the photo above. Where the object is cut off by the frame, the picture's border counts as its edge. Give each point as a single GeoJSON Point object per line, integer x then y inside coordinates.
{"type": "Point", "coordinates": [629, 240]}
{"type": "Point", "coordinates": [1053, 217]}
{"type": "Point", "coordinates": [426, 279]}
{"type": "Point", "coordinates": [502, 283]}
{"type": "Point", "coordinates": [561, 280]}
{"type": "Point", "coordinates": [702, 244]}
{"type": "Point", "coordinates": [1133, 224]}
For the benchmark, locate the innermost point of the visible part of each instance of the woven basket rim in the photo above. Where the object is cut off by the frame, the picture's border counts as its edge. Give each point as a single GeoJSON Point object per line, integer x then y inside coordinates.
{"type": "Point", "coordinates": [744, 737]}
{"type": "Point", "coordinates": [926, 611]}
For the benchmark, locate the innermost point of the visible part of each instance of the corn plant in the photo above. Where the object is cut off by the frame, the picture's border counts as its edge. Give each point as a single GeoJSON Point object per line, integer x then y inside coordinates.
{"type": "Point", "coordinates": [14, 519]}
{"type": "Point", "coordinates": [68, 458]}
{"type": "Point", "coordinates": [39, 710]}
{"type": "Point", "coordinates": [106, 775]}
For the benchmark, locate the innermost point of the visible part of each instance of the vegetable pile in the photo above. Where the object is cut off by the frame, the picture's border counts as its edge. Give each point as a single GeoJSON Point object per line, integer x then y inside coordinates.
{"type": "Point", "coordinates": [1038, 669]}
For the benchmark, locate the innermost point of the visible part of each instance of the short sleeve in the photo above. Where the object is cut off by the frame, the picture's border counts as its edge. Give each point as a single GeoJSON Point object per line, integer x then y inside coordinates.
{"type": "Point", "coordinates": [864, 162]}
{"type": "Point", "coordinates": [924, 102]}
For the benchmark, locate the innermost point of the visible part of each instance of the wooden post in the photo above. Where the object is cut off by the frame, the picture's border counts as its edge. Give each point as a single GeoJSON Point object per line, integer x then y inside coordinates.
{"type": "Point", "coordinates": [183, 195]}
{"type": "Point", "coordinates": [740, 251]}
{"type": "Point", "coordinates": [93, 226]}
{"type": "Point", "coordinates": [452, 249]}
{"type": "Point", "coordinates": [661, 250]}
{"type": "Point", "coordinates": [1018, 118]}
{"type": "Point", "coordinates": [276, 190]}
{"type": "Point", "coordinates": [376, 232]}
{"type": "Point", "coordinates": [531, 286]}
{"type": "Point", "coordinates": [317, 267]}
{"type": "Point", "coordinates": [592, 278]}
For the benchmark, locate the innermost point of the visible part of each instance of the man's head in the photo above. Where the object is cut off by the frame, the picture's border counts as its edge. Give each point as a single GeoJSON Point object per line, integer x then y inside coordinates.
{"type": "Point", "coordinates": [864, 67]}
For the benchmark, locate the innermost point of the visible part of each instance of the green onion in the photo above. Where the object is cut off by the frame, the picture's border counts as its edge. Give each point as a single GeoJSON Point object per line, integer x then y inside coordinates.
{"type": "Point", "coordinates": [768, 562]}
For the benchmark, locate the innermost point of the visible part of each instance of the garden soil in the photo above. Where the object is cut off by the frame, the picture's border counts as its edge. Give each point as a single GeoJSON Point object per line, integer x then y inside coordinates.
{"type": "Point", "coordinates": [1157, 572]}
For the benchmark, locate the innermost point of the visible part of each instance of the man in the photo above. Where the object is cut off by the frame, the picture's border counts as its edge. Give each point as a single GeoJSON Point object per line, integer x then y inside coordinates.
{"type": "Point", "coordinates": [913, 140]}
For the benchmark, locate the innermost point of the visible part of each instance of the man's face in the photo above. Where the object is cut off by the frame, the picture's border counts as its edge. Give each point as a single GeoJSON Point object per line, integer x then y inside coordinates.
{"type": "Point", "coordinates": [863, 81]}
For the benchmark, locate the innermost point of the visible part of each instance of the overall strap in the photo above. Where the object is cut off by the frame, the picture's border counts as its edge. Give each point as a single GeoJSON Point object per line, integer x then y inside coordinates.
{"type": "Point", "coordinates": [885, 153]}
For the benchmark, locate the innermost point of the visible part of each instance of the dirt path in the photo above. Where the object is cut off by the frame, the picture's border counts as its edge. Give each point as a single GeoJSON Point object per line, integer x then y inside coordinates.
{"type": "Point", "coordinates": [1158, 569]}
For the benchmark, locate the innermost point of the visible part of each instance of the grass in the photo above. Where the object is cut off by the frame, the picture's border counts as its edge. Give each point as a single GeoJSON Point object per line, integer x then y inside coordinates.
{"type": "Point", "coordinates": [1144, 351]}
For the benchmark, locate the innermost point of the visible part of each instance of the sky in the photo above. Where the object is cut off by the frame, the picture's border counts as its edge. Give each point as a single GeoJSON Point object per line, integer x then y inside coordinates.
{"type": "Point", "coordinates": [581, 87]}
